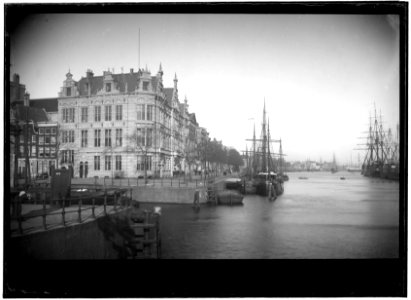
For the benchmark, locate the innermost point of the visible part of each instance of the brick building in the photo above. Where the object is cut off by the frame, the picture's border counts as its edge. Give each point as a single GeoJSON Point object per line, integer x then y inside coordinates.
{"type": "Point", "coordinates": [33, 133]}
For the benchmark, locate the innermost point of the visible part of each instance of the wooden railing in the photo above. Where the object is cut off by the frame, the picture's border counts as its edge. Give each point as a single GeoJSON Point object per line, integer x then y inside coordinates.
{"type": "Point", "coordinates": [116, 198]}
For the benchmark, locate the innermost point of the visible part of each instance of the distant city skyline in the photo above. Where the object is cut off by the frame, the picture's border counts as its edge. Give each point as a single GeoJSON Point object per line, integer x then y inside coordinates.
{"type": "Point", "coordinates": [319, 75]}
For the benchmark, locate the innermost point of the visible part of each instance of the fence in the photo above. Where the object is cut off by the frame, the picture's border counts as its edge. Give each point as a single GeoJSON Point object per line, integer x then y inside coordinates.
{"type": "Point", "coordinates": [175, 182]}
{"type": "Point", "coordinates": [93, 201]}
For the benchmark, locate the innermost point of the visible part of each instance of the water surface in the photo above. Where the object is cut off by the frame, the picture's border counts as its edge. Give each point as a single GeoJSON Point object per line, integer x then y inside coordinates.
{"type": "Point", "coordinates": [320, 217]}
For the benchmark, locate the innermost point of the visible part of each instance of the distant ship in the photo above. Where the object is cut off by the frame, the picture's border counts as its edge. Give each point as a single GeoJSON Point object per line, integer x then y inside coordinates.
{"type": "Point", "coordinates": [334, 168]}
{"type": "Point", "coordinates": [382, 151]}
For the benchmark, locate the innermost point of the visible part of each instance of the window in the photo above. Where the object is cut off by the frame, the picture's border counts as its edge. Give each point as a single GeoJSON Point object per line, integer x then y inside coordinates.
{"type": "Point", "coordinates": [141, 134]}
{"type": "Point", "coordinates": [97, 113]}
{"type": "Point", "coordinates": [108, 112]}
{"type": "Point", "coordinates": [64, 137]}
{"type": "Point", "coordinates": [144, 162]}
{"type": "Point", "coordinates": [68, 91]}
{"type": "Point", "coordinates": [34, 151]}
{"type": "Point", "coordinates": [119, 112]}
{"type": "Point", "coordinates": [97, 136]}
{"type": "Point", "coordinates": [149, 138]}
{"type": "Point", "coordinates": [150, 112]}
{"type": "Point", "coordinates": [68, 115]}
{"type": "Point", "coordinates": [84, 114]}
{"type": "Point", "coordinates": [145, 85]}
{"type": "Point", "coordinates": [97, 163]}
{"type": "Point", "coordinates": [118, 162]}
{"type": "Point", "coordinates": [107, 141]}
{"type": "Point", "coordinates": [108, 87]}
{"type": "Point", "coordinates": [84, 138]}
{"type": "Point", "coordinates": [71, 136]}
{"type": "Point", "coordinates": [67, 136]}
{"type": "Point", "coordinates": [119, 137]}
{"type": "Point", "coordinates": [141, 113]}
{"type": "Point", "coordinates": [67, 156]}
{"type": "Point", "coordinates": [107, 163]}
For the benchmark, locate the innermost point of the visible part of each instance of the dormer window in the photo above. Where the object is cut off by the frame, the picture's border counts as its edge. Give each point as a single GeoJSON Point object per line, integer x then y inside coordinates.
{"type": "Point", "coordinates": [68, 92]}
{"type": "Point", "coordinates": [108, 87]}
{"type": "Point", "coordinates": [145, 86]}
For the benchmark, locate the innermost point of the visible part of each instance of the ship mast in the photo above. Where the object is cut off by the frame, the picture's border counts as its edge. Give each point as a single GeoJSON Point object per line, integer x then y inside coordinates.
{"type": "Point", "coordinates": [264, 145]}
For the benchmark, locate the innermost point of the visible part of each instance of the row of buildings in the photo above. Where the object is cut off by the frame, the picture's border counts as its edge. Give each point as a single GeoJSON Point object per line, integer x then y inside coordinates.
{"type": "Point", "coordinates": [116, 125]}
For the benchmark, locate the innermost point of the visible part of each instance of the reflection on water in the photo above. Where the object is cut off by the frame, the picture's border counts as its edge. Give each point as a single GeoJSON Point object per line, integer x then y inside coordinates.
{"type": "Point", "coordinates": [321, 217]}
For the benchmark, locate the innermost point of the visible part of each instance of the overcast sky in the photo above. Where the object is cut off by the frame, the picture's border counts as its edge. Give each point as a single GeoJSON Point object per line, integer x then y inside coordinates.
{"type": "Point", "coordinates": [320, 75]}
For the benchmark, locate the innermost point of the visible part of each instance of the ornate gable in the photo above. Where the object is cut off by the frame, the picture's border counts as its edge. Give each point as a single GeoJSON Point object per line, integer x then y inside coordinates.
{"type": "Point", "coordinates": [70, 87]}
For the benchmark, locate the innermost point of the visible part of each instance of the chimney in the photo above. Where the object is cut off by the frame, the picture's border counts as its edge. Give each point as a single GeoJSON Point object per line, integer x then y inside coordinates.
{"type": "Point", "coordinates": [89, 73]}
{"type": "Point", "coordinates": [131, 70]}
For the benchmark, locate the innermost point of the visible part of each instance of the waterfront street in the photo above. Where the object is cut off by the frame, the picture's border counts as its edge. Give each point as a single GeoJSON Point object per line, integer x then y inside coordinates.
{"type": "Point", "coordinates": [321, 217]}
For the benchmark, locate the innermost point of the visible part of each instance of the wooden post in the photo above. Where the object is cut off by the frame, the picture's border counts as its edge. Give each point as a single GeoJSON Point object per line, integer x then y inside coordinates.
{"type": "Point", "coordinates": [105, 201]}
{"type": "Point", "coordinates": [18, 210]}
{"type": "Point", "coordinates": [63, 212]}
{"type": "Point", "coordinates": [131, 197]}
{"type": "Point", "coordinates": [79, 209]}
{"type": "Point", "coordinates": [115, 200]}
{"type": "Point", "coordinates": [44, 214]}
{"type": "Point", "coordinates": [93, 207]}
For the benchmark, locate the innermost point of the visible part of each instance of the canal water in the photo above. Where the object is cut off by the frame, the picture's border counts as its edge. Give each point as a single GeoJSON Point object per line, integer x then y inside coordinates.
{"type": "Point", "coordinates": [319, 217]}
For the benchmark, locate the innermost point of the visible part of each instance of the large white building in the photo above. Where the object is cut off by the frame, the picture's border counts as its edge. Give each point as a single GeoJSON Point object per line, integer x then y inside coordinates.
{"type": "Point", "coordinates": [124, 125]}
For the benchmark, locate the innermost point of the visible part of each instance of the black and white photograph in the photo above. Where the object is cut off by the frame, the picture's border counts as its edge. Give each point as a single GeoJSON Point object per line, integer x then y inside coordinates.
{"type": "Point", "coordinates": [223, 141]}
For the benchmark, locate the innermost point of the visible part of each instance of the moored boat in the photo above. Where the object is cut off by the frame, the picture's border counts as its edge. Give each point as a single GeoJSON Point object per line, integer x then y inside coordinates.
{"type": "Point", "coordinates": [265, 168]}
{"type": "Point", "coordinates": [229, 191]}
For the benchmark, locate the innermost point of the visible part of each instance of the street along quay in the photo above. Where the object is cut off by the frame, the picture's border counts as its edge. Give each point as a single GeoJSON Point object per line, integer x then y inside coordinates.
{"type": "Point", "coordinates": [94, 222]}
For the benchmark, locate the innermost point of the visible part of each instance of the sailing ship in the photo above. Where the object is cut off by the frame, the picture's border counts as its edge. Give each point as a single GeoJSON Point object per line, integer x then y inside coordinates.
{"type": "Point", "coordinates": [382, 151]}
{"type": "Point", "coordinates": [334, 168]}
{"type": "Point", "coordinates": [265, 174]}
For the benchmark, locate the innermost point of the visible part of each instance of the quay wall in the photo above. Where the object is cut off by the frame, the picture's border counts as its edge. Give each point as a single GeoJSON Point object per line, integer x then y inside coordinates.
{"type": "Point", "coordinates": [182, 195]}
{"type": "Point", "coordinates": [102, 238]}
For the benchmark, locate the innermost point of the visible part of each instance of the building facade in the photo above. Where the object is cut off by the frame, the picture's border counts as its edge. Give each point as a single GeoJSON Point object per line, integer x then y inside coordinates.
{"type": "Point", "coordinates": [122, 125]}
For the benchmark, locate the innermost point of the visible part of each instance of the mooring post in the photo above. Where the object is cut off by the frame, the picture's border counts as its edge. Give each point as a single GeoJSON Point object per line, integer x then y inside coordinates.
{"type": "Point", "coordinates": [79, 209]}
{"type": "Point", "coordinates": [105, 201]}
{"type": "Point", "coordinates": [19, 217]}
{"type": "Point", "coordinates": [63, 212]}
{"type": "Point", "coordinates": [93, 207]}
{"type": "Point", "coordinates": [44, 214]}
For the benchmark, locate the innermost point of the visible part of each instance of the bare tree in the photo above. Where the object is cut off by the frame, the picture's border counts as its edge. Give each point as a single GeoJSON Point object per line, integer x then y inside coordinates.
{"type": "Point", "coordinates": [141, 145]}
